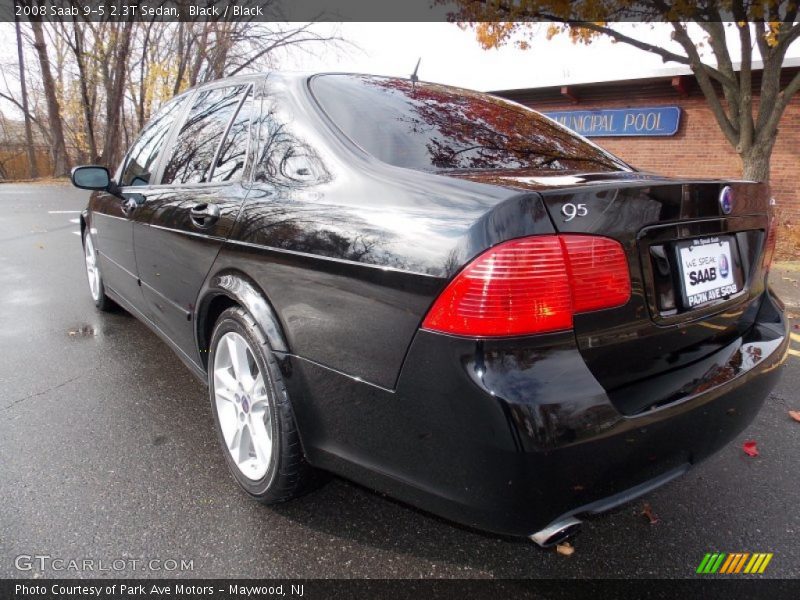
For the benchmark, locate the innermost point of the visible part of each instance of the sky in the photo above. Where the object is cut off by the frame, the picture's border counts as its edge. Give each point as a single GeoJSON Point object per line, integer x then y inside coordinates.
{"type": "Point", "coordinates": [452, 56]}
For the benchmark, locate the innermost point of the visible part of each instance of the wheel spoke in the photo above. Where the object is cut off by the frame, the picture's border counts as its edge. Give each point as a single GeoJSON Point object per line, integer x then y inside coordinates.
{"type": "Point", "coordinates": [262, 426]}
{"type": "Point", "coordinates": [262, 443]}
{"type": "Point", "coordinates": [225, 394]}
{"type": "Point", "coordinates": [241, 366]}
{"type": "Point", "coordinates": [258, 389]}
{"type": "Point", "coordinates": [245, 445]}
{"type": "Point", "coordinates": [224, 382]}
{"type": "Point", "coordinates": [235, 441]}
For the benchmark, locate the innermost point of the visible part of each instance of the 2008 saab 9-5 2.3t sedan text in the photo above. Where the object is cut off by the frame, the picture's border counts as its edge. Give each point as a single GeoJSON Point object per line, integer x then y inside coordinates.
{"type": "Point", "coordinates": [437, 293]}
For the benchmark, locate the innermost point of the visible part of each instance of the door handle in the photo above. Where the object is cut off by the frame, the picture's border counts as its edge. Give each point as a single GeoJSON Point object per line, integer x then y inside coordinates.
{"type": "Point", "coordinates": [204, 215]}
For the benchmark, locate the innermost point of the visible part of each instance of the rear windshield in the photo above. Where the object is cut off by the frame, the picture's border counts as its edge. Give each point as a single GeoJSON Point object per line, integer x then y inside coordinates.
{"type": "Point", "coordinates": [433, 127]}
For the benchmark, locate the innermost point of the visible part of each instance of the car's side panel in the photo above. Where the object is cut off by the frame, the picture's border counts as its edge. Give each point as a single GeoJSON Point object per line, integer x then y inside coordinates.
{"type": "Point", "coordinates": [112, 230]}
{"type": "Point", "coordinates": [174, 255]}
{"type": "Point", "coordinates": [353, 318]}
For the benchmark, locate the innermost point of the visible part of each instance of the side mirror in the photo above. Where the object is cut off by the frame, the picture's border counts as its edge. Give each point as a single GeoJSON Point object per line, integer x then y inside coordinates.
{"type": "Point", "coordinates": [90, 178]}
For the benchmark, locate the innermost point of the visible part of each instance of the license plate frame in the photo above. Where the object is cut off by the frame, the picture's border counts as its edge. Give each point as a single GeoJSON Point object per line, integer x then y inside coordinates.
{"type": "Point", "coordinates": [700, 258]}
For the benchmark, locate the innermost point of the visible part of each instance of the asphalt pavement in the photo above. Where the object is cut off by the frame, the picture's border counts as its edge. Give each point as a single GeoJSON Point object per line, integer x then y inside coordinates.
{"type": "Point", "coordinates": [108, 453]}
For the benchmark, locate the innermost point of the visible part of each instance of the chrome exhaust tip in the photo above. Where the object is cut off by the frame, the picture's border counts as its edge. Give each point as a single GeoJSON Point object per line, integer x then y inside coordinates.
{"type": "Point", "coordinates": [556, 532]}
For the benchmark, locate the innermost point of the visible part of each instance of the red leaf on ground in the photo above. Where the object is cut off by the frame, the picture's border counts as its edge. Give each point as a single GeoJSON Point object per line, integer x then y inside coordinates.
{"type": "Point", "coordinates": [647, 511]}
{"type": "Point", "coordinates": [749, 448]}
{"type": "Point", "coordinates": [795, 414]}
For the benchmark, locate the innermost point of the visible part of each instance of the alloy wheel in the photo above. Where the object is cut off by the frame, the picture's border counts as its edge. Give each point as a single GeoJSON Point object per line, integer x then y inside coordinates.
{"type": "Point", "coordinates": [92, 271]}
{"type": "Point", "coordinates": [243, 406]}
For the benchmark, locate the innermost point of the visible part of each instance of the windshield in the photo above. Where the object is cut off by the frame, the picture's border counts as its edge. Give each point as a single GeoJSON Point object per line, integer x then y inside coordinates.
{"type": "Point", "coordinates": [433, 127]}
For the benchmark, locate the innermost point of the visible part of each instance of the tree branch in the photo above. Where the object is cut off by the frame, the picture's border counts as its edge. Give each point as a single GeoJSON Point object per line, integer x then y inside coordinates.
{"type": "Point", "coordinates": [745, 116]}
{"type": "Point", "coordinates": [771, 124]}
{"type": "Point", "coordinates": [16, 103]}
{"type": "Point", "coordinates": [704, 81]}
{"type": "Point", "coordinates": [719, 46]}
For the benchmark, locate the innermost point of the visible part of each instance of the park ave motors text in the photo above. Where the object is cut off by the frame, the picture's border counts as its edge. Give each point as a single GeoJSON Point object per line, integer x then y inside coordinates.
{"type": "Point", "coordinates": [177, 589]}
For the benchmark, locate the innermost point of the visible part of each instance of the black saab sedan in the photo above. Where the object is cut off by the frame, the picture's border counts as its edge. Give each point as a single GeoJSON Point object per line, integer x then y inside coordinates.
{"type": "Point", "coordinates": [439, 294]}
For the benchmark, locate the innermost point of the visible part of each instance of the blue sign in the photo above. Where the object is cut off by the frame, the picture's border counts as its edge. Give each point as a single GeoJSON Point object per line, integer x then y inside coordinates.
{"type": "Point", "coordinates": [621, 122]}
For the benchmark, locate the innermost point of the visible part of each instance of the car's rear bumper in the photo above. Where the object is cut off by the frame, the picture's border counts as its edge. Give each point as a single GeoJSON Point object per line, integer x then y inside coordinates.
{"type": "Point", "coordinates": [508, 436]}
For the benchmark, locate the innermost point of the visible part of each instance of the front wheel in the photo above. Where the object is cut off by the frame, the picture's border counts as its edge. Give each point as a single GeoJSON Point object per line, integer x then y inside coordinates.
{"type": "Point", "coordinates": [93, 274]}
{"type": "Point", "coordinates": [254, 419]}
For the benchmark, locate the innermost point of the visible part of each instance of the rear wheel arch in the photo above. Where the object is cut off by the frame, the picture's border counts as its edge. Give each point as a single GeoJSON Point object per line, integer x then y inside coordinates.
{"type": "Point", "coordinates": [233, 288]}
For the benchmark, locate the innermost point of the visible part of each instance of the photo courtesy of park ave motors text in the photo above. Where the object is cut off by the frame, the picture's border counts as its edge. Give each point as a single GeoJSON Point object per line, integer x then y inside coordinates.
{"type": "Point", "coordinates": [290, 297]}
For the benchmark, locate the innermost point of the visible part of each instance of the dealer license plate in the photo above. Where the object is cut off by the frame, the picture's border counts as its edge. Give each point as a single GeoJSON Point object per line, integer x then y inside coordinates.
{"type": "Point", "coordinates": [708, 270]}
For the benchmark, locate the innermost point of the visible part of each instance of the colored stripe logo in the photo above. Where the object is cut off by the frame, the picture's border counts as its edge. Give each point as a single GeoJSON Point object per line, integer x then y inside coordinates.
{"type": "Point", "coordinates": [734, 563]}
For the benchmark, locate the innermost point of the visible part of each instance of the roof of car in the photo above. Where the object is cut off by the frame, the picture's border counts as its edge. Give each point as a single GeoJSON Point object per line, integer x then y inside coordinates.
{"type": "Point", "coordinates": [293, 75]}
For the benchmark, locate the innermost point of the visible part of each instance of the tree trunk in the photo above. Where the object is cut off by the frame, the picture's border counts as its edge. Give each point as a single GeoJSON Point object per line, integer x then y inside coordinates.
{"type": "Point", "coordinates": [115, 94]}
{"type": "Point", "coordinates": [755, 164]}
{"type": "Point", "coordinates": [33, 172]}
{"type": "Point", "coordinates": [200, 55]}
{"type": "Point", "coordinates": [88, 113]}
{"type": "Point", "coordinates": [60, 158]}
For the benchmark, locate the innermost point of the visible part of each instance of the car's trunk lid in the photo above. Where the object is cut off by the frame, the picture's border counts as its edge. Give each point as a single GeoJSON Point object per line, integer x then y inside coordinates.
{"type": "Point", "coordinates": [694, 249]}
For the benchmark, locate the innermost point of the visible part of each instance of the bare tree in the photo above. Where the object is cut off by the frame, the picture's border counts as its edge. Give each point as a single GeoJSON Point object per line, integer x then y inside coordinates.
{"type": "Point", "coordinates": [32, 169]}
{"type": "Point", "coordinates": [59, 149]}
{"type": "Point", "coordinates": [99, 82]}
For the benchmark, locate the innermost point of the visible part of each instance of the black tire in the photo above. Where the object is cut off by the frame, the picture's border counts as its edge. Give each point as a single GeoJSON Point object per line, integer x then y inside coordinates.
{"type": "Point", "coordinates": [101, 301]}
{"type": "Point", "coordinates": [289, 475]}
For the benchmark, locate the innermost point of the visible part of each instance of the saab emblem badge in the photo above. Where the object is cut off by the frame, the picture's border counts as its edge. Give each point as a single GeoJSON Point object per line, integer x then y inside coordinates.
{"type": "Point", "coordinates": [726, 200]}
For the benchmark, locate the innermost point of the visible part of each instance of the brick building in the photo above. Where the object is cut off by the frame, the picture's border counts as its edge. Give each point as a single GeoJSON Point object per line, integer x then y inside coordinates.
{"type": "Point", "coordinates": [698, 148]}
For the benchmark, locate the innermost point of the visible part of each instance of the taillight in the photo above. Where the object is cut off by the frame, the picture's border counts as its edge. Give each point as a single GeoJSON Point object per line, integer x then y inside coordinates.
{"type": "Point", "coordinates": [532, 285]}
{"type": "Point", "coordinates": [769, 245]}
{"type": "Point", "coordinates": [598, 272]}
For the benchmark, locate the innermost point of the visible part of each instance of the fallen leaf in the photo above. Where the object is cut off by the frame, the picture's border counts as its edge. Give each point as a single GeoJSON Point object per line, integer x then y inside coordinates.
{"type": "Point", "coordinates": [565, 549]}
{"type": "Point", "coordinates": [83, 330]}
{"type": "Point", "coordinates": [795, 414]}
{"type": "Point", "coordinates": [647, 511]}
{"type": "Point", "coordinates": [749, 448]}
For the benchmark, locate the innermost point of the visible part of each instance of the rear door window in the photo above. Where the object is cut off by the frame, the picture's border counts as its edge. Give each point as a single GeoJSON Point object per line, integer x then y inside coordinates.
{"type": "Point", "coordinates": [233, 152]}
{"type": "Point", "coordinates": [143, 156]}
{"type": "Point", "coordinates": [200, 136]}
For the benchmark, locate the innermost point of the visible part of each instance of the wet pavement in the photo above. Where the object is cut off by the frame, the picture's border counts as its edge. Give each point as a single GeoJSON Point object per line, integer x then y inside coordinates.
{"type": "Point", "coordinates": [107, 452]}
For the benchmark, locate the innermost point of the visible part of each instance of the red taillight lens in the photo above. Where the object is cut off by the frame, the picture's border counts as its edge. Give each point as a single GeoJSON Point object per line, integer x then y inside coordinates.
{"type": "Point", "coordinates": [532, 285]}
{"type": "Point", "coordinates": [598, 272]}
{"type": "Point", "coordinates": [769, 245]}
{"type": "Point", "coordinates": [517, 287]}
